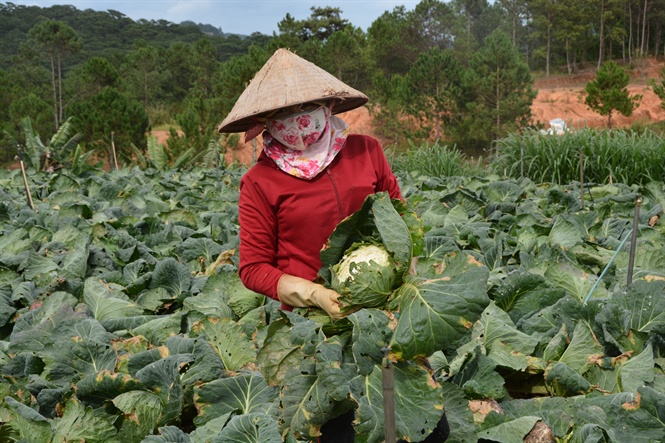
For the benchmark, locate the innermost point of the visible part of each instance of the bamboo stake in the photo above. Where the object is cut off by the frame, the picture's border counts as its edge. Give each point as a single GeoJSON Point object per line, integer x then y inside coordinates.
{"type": "Point", "coordinates": [602, 274]}
{"type": "Point", "coordinates": [388, 384]}
{"type": "Point", "coordinates": [633, 239]}
{"type": "Point", "coordinates": [25, 179]}
{"type": "Point", "coordinates": [115, 159]}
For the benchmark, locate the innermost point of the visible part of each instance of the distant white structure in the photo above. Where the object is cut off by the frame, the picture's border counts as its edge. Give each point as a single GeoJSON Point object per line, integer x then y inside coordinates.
{"type": "Point", "coordinates": [557, 127]}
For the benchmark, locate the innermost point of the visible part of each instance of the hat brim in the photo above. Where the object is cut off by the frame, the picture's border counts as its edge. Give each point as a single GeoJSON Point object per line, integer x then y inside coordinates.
{"type": "Point", "coordinates": [286, 80]}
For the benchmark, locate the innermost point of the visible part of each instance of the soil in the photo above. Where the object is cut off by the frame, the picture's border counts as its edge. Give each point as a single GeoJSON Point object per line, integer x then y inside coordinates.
{"type": "Point", "coordinates": [563, 97]}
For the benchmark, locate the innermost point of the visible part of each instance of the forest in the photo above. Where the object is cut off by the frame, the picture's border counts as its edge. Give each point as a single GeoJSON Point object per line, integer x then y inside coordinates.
{"type": "Point", "coordinates": [433, 73]}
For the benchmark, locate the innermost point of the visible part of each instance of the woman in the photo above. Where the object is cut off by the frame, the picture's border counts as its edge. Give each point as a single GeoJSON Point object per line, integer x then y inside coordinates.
{"type": "Point", "coordinates": [310, 175]}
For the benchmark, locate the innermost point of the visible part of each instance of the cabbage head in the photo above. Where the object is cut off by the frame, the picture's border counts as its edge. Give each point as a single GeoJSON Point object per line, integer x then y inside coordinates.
{"type": "Point", "coordinates": [364, 277]}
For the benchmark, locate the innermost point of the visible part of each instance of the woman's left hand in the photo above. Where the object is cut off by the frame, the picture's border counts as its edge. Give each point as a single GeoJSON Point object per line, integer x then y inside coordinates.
{"type": "Point", "coordinates": [298, 292]}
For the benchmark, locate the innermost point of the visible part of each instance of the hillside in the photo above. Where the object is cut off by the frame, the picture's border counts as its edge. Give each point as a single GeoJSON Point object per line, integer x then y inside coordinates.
{"type": "Point", "coordinates": [563, 97]}
{"type": "Point", "coordinates": [558, 97]}
{"type": "Point", "coordinates": [109, 33]}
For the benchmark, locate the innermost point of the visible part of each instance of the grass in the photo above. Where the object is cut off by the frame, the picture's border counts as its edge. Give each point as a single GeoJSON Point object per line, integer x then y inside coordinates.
{"type": "Point", "coordinates": [648, 125]}
{"type": "Point", "coordinates": [435, 160]}
{"type": "Point", "coordinates": [630, 157]}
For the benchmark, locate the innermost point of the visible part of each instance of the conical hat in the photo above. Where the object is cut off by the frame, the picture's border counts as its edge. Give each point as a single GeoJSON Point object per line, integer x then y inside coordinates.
{"type": "Point", "coordinates": [286, 80]}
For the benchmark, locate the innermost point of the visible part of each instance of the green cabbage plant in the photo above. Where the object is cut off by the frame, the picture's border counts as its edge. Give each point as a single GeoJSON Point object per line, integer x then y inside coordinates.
{"type": "Point", "coordinates": [365, 277]}
{"type": "Point", "coordinates": [369, 253]}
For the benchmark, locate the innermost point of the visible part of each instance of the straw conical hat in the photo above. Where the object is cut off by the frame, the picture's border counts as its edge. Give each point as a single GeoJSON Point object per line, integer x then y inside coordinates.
{"type": "Point", "coordinates": [286, 80]}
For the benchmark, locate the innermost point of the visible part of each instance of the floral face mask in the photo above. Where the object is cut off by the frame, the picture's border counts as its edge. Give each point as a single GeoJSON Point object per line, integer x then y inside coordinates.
{"type": "Point", "coordinates": [299, 131]}
{"type": "Point", "coordinates": [303, 144]}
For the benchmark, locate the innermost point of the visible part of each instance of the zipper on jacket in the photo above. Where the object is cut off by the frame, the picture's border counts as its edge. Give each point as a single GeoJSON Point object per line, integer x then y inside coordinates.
{"type": "Point", "coordinates": [339, 201]}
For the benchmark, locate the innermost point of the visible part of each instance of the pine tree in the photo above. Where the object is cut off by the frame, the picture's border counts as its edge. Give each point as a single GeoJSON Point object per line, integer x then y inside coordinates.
{"type": "Point", "coordinates": [433, 89]}
{"type": "Point", "coordinates": [111, 117]}
{"type": "Point", "coordinates": [58, 39]}
{"type": "Point", "coordinates": [497, 94]}
{"type": "Point", "coordinates": [608, 92]}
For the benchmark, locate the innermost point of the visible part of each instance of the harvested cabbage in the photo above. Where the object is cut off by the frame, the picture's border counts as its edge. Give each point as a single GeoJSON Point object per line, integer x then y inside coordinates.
{"type": "Point", "coordinates": [364, 277]}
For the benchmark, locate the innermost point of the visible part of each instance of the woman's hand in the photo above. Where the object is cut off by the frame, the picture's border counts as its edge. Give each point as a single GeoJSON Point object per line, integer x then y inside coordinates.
{"type": "Point", "coordinates": [298, 292]}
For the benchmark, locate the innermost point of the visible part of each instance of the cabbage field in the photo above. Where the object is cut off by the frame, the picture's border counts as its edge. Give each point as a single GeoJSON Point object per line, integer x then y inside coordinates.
{"type": "Point", "coordinates": [122, 318]}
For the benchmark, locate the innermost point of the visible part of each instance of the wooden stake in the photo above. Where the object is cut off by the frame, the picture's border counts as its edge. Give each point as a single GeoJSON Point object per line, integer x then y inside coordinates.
{"type": "Point", "coordinates": [388, 384]}
{"type": "Point", "coordinates": [582, 179]}
{"type": "Point", "coordinates": [25, 180]}
{"type": "Point", "coordinates": [115, 159]}
{"type": "Point", "coordinates": [521, 160]}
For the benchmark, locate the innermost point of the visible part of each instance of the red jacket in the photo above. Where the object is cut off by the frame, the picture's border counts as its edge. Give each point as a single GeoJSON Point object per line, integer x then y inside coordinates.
{"type": "Point", "coordinates": [285, 220]}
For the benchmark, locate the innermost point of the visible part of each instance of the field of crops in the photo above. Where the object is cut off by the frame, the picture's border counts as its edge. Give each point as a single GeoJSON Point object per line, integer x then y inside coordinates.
{"type": "Point", "coordinates": [122, 318]}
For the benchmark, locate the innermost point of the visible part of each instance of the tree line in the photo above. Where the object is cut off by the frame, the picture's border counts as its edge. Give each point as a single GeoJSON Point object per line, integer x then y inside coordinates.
{"type": "Point", "coordinates": [459, 70]}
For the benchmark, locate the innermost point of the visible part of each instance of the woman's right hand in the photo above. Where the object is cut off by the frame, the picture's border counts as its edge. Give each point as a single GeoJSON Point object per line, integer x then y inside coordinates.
{"type": "Point", "coordinates": [298, 292]}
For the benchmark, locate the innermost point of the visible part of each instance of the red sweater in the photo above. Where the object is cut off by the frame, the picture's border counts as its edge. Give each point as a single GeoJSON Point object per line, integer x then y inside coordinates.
{"type": "Point", "coordinates": [285, 220]}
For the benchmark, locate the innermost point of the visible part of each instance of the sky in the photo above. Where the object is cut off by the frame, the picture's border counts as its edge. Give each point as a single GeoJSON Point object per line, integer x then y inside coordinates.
{"type": "Point", "coordinates": [235, 16]}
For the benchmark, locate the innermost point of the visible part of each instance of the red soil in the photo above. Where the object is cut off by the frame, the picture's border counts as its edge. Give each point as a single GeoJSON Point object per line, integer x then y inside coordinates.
{"type": "Point", "coordinates": [563, 97]}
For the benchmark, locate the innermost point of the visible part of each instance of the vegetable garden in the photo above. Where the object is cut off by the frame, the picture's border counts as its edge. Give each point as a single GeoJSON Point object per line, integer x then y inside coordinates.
{"type": "Point", "coordinates": [122, 318]}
